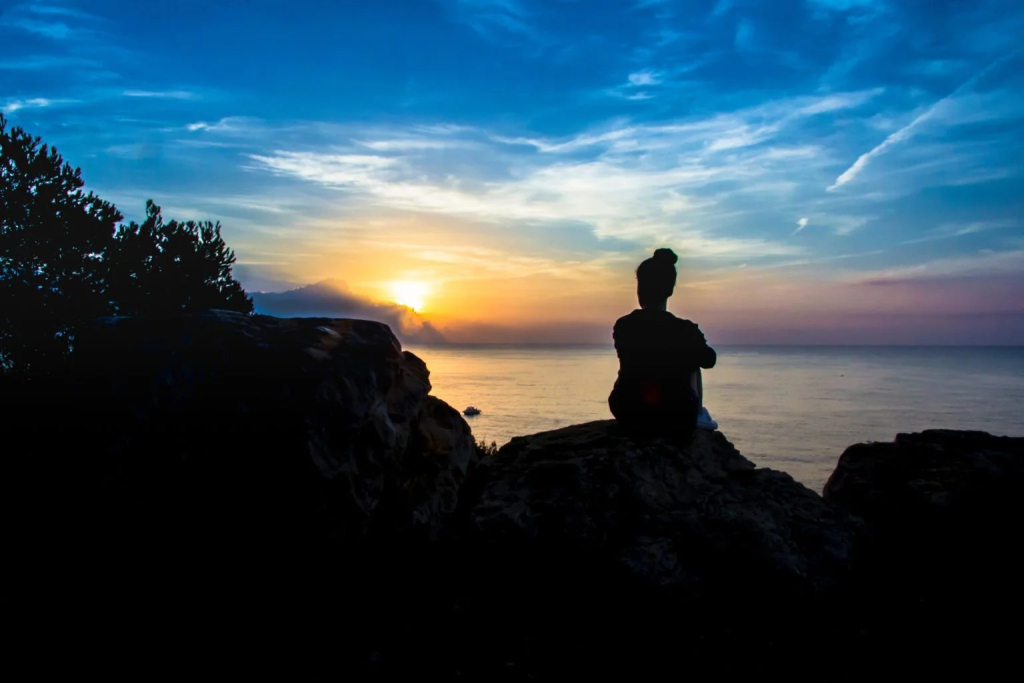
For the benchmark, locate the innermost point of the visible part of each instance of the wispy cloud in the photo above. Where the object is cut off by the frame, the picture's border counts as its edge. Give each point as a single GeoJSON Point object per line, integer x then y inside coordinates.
{"type": "Point", "coordinates": [900, 135]}
{"type": "Point", "coordinates": [907, 131]}
{"type": "Point", "coordinates": [721, 7]}
{"type": "Point", "coordinates": [493, 17]}
{"type": "Point", "coordinates": [615, 200]}
{"type": "Point", "coordinates": [983, 263]}
{"type": "Point", "coordinates": [847, 5]}
{"type": "Point", "coordinates": [55, 22]}
{"type": "Point", "coordinates": [954, 230]}
{"type": "Point", "coordinates": [340, 170]}
{"type": "Point", "coordinates": [800, 225]}
{"type": "Point", "coordinates": [469, 262]}
{"type": "Point", "coordinates": [44, 62]}
{"type": "Point", "coordinates": [672, 180]}
{"type": "Point", "coordinates": [229, 125]}
{"type": "Point", "coordinates": [722, 131]}
{"type": "Point", "coordinates": [632, 90]}
{"type": "Point", "coordinates": [162, 94]}
{"type": "Point", "coordinates": [617, 196]}
{"type": "Point", "coordinates": [406, 144]}
{"type": "Point", "coordinates": [644, 4]}
{"type": "Point", "coordinates": [50, 29]}
{"type": "Point", "coordinates": [847, 225]}
{"type": "Point", "coordinates": [646, 77]}
{"type": "Point", "coordinates": [13, 105]}
{"type": "Point", "coordinates": [57, 10]}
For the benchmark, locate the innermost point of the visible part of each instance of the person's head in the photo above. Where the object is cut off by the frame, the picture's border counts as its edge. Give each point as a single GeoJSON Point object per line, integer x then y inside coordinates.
{"type": "Point", "coordinates": [656, 278]}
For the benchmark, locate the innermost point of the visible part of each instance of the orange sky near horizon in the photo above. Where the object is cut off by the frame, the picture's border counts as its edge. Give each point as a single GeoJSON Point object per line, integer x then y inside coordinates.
{"type": "Point", "coordinates": [474, 290]}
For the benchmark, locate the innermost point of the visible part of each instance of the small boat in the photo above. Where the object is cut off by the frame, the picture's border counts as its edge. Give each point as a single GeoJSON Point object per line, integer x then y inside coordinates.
{"type": "Point", "coordinates": [470, 411]}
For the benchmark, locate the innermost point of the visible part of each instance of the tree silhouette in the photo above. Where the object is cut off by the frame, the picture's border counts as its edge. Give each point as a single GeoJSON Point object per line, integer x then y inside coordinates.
{"type": "Point", "coordinates": [160, 268]}
{"type": "Point", "coordinates": [64, 258]}
{"type": "Point", "coordinates": [53, 239]}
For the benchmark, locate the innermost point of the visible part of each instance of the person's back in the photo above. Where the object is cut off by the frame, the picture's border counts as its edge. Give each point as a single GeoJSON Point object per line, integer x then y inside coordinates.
{"type": "Point", "coordinates": [658, 354]}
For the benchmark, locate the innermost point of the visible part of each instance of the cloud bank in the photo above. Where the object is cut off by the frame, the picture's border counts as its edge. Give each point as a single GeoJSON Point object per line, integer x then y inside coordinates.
{"type": "Point", "coordinates": [333, 299]}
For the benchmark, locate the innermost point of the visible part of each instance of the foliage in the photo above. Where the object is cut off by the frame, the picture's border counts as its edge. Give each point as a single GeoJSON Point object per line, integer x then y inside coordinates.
{"type": "Point", "coordinates": [64, 258]}
{"type": "Point", "coordinates": [484, 450]}
{"type": "Point", "coordinates": [159, 268]}
{"type": "Point", "coordinates": [53, 238]}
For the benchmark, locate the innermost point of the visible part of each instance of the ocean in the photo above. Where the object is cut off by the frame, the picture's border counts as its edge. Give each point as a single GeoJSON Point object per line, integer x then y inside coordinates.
{"type": "Point", "coordinates": [789, 408]}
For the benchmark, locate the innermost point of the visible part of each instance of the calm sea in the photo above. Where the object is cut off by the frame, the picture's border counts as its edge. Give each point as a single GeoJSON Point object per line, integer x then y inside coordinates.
{"type": "Point", "coordinates": [790, 408]}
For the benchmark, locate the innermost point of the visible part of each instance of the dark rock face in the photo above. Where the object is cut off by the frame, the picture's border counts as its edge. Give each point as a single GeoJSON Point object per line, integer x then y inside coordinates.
{"type": "Point", "coordinates": [264, 478]}
{"type": "Point", "coordinates": [616, 544]}
{"type": "Point", "coordinates": [942, 559]}
{"type": "Point", "coordinates": [936, 498]}
{"type": "Point", "coordinates": [928, 476]}
{"type": "Point", "coordinates": [688, 515]}
{"type": "Point", "coordinates": [221, 455]}
{"type": "Point", "coordinates": [331, 411]}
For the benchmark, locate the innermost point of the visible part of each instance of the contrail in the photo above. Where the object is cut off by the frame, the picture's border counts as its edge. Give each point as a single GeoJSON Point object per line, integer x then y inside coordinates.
{"type": "Point", "coordinates": [907, 130]}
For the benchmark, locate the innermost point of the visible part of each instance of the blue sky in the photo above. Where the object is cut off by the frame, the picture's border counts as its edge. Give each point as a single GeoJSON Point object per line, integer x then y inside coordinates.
{"type": "Point", "coordinates": [828, 170]}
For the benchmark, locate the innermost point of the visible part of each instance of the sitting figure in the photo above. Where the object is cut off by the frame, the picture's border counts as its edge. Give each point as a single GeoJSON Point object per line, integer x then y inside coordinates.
{"type": "Point", "coordinates": [659, 386]}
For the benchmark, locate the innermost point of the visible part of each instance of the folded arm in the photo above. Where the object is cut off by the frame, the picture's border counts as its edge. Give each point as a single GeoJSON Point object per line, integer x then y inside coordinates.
{"type": "Point", "coordinates": [708, 357]}
{"type": "Point", "coordinates": [703, 354]}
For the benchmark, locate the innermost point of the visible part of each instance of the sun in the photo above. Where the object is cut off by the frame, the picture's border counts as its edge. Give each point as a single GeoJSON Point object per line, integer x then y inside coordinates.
{"type": "Point", "coordinates": [411, 294]}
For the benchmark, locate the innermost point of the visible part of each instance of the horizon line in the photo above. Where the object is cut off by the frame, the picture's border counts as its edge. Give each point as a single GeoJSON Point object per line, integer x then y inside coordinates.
{"type": "Point", "coordinates": [728, 345]}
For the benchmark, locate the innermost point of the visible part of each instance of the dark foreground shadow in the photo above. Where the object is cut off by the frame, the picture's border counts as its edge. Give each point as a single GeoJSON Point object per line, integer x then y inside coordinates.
{"type": "Point", "coordinates": [224, 496]}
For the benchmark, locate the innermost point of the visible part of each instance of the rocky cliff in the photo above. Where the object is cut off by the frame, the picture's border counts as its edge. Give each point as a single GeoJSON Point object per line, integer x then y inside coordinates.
{"type": "Point", "coordinates": [257, 414]}
{"type": "Point", "coordinates": [271, 480]}
{"type": "Point", "coordinates": [938, 584]}
{"type": "Point", "coordinates": [696, 516]}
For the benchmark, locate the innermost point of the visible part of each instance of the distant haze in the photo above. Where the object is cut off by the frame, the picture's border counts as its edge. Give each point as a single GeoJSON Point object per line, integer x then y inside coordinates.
{"type": "Point", "coordinates": [334, 299]}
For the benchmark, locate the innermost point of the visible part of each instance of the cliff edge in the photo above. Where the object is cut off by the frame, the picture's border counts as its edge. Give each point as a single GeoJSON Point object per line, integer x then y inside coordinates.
{"type": "Point", "coordinates": [279, 480]}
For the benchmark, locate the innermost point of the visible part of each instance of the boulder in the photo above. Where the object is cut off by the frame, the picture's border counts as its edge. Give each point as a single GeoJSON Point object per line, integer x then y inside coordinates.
{"type": "Point", "coordinates": [940, 566]}
{"type": "Point", "coordinates": [941, 500]}
{"type": "Point", "coordinates": [684, 514]}
{"type": "Point", "coordinates": [329, 415]}
{"type": "Point", "coordinates": [607, 543]}
{"type": "Point", "coordinates": [219, 453]}
{"type": "Point", "coordinates": [933, 477]}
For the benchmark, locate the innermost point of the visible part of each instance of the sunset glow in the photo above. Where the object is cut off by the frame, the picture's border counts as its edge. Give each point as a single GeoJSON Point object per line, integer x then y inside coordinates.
{"type": "Point", "coordinates": [410, 294]}
{"type": "Point", "coordinates": [501, 167]}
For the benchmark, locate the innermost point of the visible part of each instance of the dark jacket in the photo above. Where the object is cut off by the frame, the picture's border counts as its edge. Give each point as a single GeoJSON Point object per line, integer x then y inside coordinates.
{"type": "Point", "coordinates": [657, 353]}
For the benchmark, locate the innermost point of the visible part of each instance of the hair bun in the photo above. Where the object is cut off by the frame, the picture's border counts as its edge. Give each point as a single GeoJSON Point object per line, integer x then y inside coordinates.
{"type": "Point", "coordinates": [665, 255]}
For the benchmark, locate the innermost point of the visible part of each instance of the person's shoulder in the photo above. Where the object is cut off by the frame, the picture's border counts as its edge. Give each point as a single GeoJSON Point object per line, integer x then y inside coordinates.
{"type": "Point", "coordinates": [629, 318]}
{"type": "Point", "coordinates": [688, 326]}
{"type": "Point", "coordinates": [629, 325]}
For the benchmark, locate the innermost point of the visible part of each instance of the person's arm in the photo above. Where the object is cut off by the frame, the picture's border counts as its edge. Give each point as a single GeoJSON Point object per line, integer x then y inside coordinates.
{"type": "Point", "coordinates": [621, 338]}
{"type": "Point", "coordinates": [703, 354]}
{"type": "Point", "coordinates": [708, 357]}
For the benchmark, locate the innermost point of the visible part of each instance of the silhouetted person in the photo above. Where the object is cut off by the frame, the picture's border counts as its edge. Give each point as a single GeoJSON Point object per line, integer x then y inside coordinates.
{"type": "Point", "coordinates": [658, 356]}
